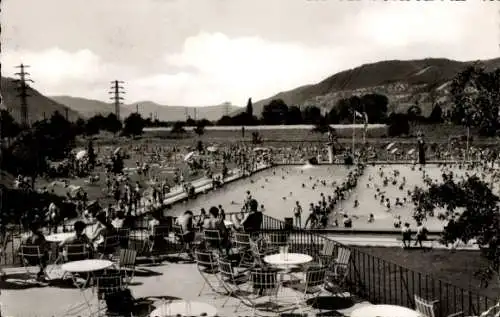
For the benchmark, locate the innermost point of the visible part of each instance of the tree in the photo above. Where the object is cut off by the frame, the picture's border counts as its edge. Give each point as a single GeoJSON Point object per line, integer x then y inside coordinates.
{"type": "Point", "coordinates": [199, 129]}
{"type": "Point", "coordinates": [190, 122]}
{"type": "Point", "coordinates": [8, 126]}
{"type": "Point", "coordinates": [91, 153]}
{"type": "Point", "coordinates": [375, 106]}
{"type": "Point", "coordinates": [275, 112]}
{"type": "Point", "coordinates": [436, 115]}
{"type": "Point", "coordinates": [249, 109]}
{"type": "Point", "coordinates": [294, 115]}
{"type": "Point", "coordinates": [476, 98]}
{"type": "Point", "coordinates": [224, 121]}
{"type": "Point", "coordinates": [178, 128]}
{"type": "Point", "coordinates": [312, 115]}
{"type": "Point", "coordinates": [414, 112]}
{"type": "Point", "coordinates": [79, 126]}
{"type": "Point", "coordinates": [398, 124]}
{"type": "Point", "coordinates": [133, 125]}
{"type": "Point", "coordinates": [112, 124]}
{"type": "Point", "coordinates": [94, 125]}
{"type": "Point", "coordinates": [347, 106]}
{"type": "Point", "coordinates": [471, 210]}
{"type": "Point", "coordinates": [333, 117]}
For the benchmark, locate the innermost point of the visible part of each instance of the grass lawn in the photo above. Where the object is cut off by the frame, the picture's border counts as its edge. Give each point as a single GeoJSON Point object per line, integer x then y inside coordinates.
{"type": "Point", "coordinates": [387, 282]}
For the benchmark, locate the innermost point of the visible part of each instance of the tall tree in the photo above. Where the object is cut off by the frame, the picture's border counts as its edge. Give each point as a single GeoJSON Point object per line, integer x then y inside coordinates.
{"type": "Point", "coordinates": [436, 115]}
{"type": "Point", "coordinates": [275, 112]}
{"type": "Point", "coordinates": [249, 107]}
{"type": "Point", "coordinates": [312, 115]}
{"type": "Point", "coordinates": [294, 115]}
{"type": "Point", "coordinates": [476, 98]}
{"type": "Point", "coordinates": [133, 125]}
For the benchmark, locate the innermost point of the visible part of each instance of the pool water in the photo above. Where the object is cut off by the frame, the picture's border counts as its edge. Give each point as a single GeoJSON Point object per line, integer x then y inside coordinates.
{"type": "Point", "coordinates": [278, 189]}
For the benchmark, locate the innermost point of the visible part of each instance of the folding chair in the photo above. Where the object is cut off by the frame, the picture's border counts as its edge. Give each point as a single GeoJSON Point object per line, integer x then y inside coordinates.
{"type": "Point", "coordinates": [180, 237]}
{"type": "Point", "coordinates": [126, 264]}
{"type": "Point", "coordinates": [276, 240]}
{"type": "Point", "coordinates": [208, 268]}
{"type": "Point", "coordinates": [158, 242]}
{"type": "Point", "coordinates": [213, 240]}
{"type": "Point", "coordinates": [326, 254]}
{"type": "Point", "coordinates": [31, 255]}
{"type": "Point", "coordinates": [110, 290]}
{"type": "Point", "coordinates": [259, 253]}
{"type": "Point", "coordinates": [343, 257]}
{"type": "Point", "coordinates": [242, 245]}
{"type": "Point", "coordinates": [123, 237]}
{"type": "Point", "coordinates": [263, 284]}
{"type": "Point", "coordinates": [231, 279]}
{"type": "Point", "coordinates": [336, 278]}
{"type": "Point", "coordinates": [109, 247]}
{"type": "Point", "coordinates": [429, 308]}
{"type": "Point", "coordinates": [311, 287]}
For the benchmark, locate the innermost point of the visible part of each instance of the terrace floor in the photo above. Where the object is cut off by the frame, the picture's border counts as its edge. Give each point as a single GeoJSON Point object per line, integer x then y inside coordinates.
{"type": "Point", "coordinates": [171, 280]}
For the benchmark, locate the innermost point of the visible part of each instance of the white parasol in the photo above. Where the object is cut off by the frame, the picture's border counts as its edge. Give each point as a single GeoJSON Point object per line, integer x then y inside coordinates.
{"type": "Point", "coordinates": [81, 154]}
{"type": "Point", "coordinates": [257, 149]}
{"type": "Point", "coordinates": [410, 152]}
{"type": "Point", "coordinates": [117, 150]}
{"type": "Point", "coordinates": [188, 156]}
{"type": "Point", "coordinates": [390, 145]}
{"type": "Point", "coordinates": [212, 149]}
{"type": "Point", "coordinates": [394, 150]}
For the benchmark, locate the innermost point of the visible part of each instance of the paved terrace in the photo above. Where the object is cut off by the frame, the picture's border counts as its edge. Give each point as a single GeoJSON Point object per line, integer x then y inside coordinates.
{"type": "Point", "coordinates": [169, 280]}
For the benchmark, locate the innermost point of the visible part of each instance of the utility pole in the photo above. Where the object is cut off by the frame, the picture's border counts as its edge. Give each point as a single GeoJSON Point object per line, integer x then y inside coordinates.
{"type": "Point", "coordinates": [137, 108]}
{"type": "Point", "coordinates": [186, 113]}
{"type": "Point", "coordinates": [195, 114]}
{"type": "Point", "coordinates": [117, 90]}
{"type": "Point", "coordinates": [66, 112]}
{"type": "Point", "coordinates": [23, 93]}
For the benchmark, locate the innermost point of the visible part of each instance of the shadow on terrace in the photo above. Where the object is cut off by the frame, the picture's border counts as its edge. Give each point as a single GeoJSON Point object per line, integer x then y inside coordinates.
{"type": "Point", "coordinates": [277, 271]}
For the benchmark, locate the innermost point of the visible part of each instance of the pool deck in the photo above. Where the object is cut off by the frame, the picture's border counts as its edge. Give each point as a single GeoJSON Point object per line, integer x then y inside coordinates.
{"type": "Point", "coordinates": [169, 280]}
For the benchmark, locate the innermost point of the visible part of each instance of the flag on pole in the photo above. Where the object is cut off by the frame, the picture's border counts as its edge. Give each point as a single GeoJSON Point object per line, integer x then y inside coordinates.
{"type": "Point", "coordinates": [358, 114]}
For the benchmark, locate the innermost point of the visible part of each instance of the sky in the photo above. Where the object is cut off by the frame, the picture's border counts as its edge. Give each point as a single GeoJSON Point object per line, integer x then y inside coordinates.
{"type": "Point", "coordinates": [206, 52]}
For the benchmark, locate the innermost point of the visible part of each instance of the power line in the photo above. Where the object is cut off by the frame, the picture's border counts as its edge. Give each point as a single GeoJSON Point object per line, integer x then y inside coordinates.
{"type": "Point", "coordinates": [23, 95]}
{"type": "Point", "coordinates": [117, 90]}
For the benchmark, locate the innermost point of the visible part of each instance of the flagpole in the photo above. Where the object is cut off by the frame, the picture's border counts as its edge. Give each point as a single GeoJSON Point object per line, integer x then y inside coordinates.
{"type": "Point", "coordinates": [353, 131]}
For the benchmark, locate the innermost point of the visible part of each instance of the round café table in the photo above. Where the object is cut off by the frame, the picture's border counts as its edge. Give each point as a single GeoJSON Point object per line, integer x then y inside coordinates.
{"type": "Point", "coordinates": [59, 237]}
{"type": "Point", "coordinates": [384, 311]}
{"type": "Point", "coordinates": [184, 308]}
{"type": "Point", "coordinates": [85, 266]}
{"type": "Point", "coordinates": [282, 259]}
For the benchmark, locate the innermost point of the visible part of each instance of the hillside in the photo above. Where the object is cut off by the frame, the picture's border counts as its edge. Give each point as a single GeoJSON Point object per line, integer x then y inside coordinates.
{"type": "Point", "coordinates": [403, 82]}
{"type": "Point", "coordinates": [89, 107]}
{"type": "Point", "coordinates": [38, 105]}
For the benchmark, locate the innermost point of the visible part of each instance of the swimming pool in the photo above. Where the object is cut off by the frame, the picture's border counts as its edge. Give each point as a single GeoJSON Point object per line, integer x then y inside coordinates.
{"type": "Point", "coordinates": [278, 188]}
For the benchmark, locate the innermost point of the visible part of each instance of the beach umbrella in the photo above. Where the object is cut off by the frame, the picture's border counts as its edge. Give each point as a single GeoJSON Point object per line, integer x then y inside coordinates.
{"type": "Point", "coordinates": [390, 146]}
{"type": "Point", "coordinates": [188, 156]}
{"type": "Point", "coordinates": [410, 152]}
{"type": "Point", "coordinates": [81, 154]}
{"type": "Point", "coordinates": [394, 150]}
{"type": "Point", "coordinates": [117, 150]}
{"type": "Point", "coordinates": [212, 149]}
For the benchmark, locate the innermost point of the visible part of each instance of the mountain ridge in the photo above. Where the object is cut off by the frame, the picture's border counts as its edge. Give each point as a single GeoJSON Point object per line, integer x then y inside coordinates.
{"type": "Point", "coordinates": [90, 107]}
{"type": "Point", "coordinates": [404, 82]}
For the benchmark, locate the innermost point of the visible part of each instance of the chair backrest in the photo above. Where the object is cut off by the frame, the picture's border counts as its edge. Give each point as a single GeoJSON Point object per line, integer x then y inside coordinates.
{"type": "Point", "coordinates": [315, 276]}
{"type": "Point", "coordinates": [127, 257]}
{"type": "Point", "coordinates": [425, 307]}
{"type": "Point", "coordinates": [205, 260]}
{"type": "Point", "coordinates": [226, 270]}
{"type": "Point", "coordinates": [278, 239]}
{"type": "Point", "coordinates": [328, 248]}
{"type": "Point", "coordinates": [177, 230]}
{"type": "Point", "coordinates": [30, 253]}
{"type": "Point", "coordinates": [76, 252]}
{"type": "Point", "coordinates": [109, 284]}
{"type": "Point", "coordinates": [242, 240]}
{"type": "Point", "coordinates": [264, 283]}
{"type": "Point", "coordinates": [161, 231]}
{"type": "Point", "coordinates": [212, 235]}
{"type": "Point", "coordinates": [343, 256]}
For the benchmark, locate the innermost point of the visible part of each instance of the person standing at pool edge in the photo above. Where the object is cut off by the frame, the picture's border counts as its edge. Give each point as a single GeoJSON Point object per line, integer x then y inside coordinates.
{"type": "Point", "coordinates": [297, 213]}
